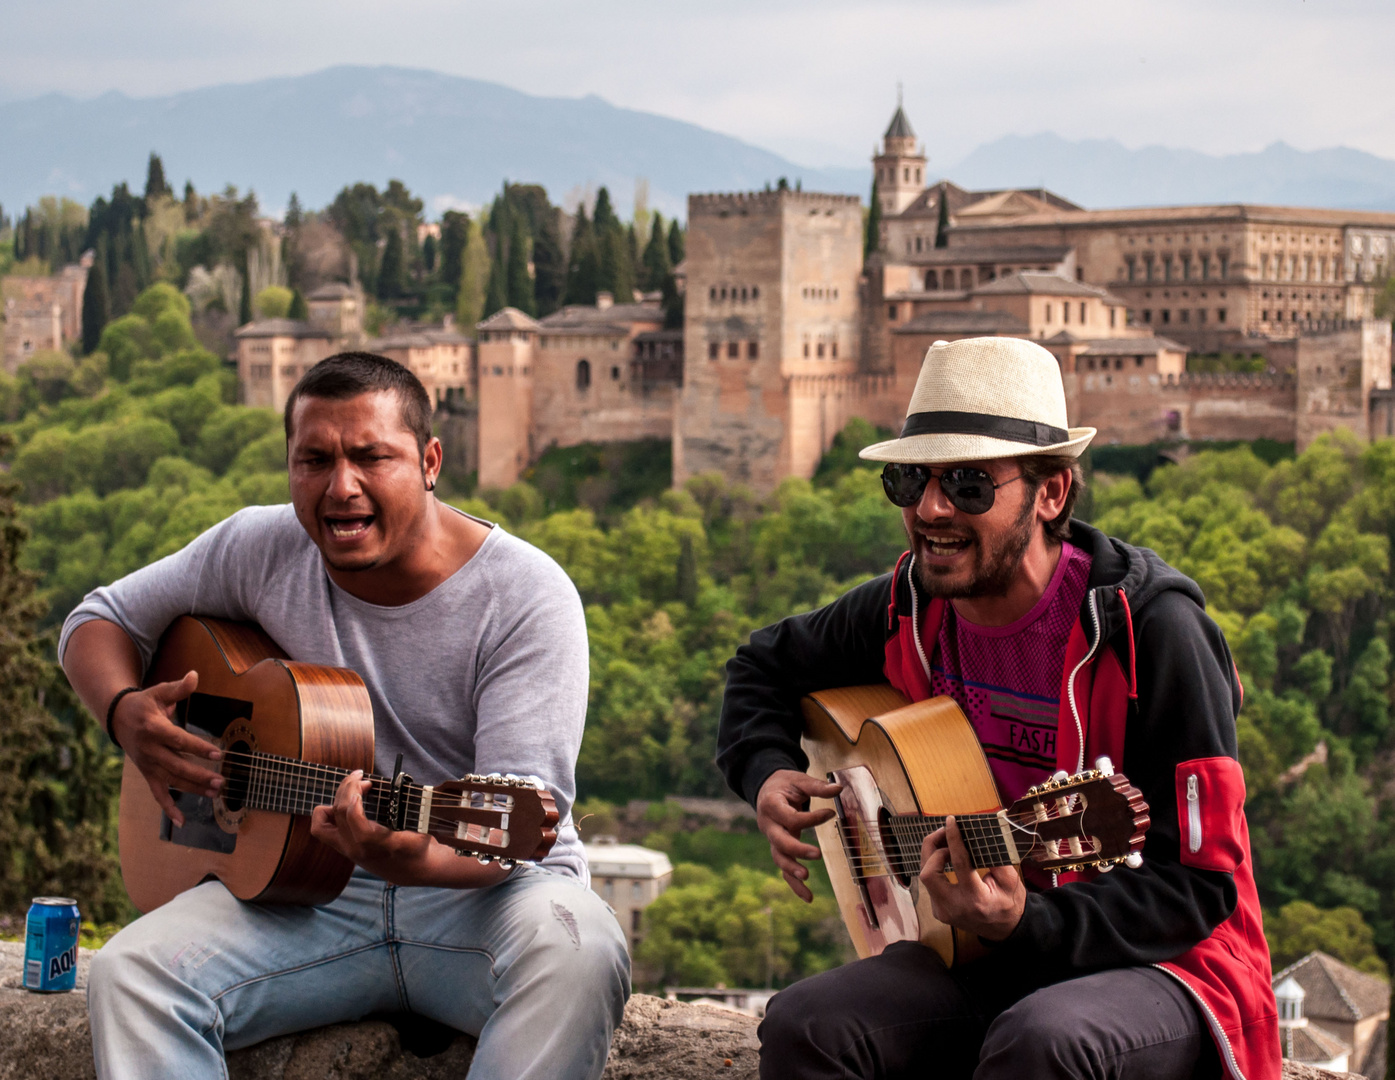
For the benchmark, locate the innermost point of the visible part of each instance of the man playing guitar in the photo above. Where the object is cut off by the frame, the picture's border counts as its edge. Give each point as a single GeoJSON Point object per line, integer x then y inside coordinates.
{"type": "Point", "coordinates": [1060, 644]}
{"type": "Point", "coordinates": [472, 645]}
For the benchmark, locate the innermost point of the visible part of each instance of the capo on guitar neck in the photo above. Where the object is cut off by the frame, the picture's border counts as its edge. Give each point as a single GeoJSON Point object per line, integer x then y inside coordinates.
{"type": "Point", "coordinates": [397, 806]}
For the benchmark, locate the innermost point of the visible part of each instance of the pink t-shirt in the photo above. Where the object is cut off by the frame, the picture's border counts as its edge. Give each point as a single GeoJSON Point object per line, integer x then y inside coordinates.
{"type": "Point", "coordinates": [1007, 679]}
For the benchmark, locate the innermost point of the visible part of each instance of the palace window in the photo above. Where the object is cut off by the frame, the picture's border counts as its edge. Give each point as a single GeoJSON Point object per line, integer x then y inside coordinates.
{"type": "Point", "coordinates": [1132, 266]}
{"type": "Point", "coordinates": [891, 312]}
{"type": "Point", "coordinates": [1167, 267]}
{"type": "Point", "coordinates": [712, 293]}
{"type": "Point", "coordinates": [753, 350]}
{"type": "Point", "coordinates": [1147, 315]}
{"type": "Point", "coordinates": [819, 350]}
{"type": "Point", "coordinates": [583, 374]}
{"type": "Point", "coordinates": [1166, 315]}
{"type": "Point", "coordinates": [1220, 314]}
{"type": "Point", "coordinates": [932, 279]}
{"type": "Point", "coordinates": [1082, 313]}
{"type": "Point", "coordinates": [833, 349]}
{"type": "Point", "coordinates": [1205, 267]}
{"type": "Point", "coordinates": [1065, 312]}
{"type": "Point", "coordinates": [614, 374]}
{"type": "Point", "coordinates": [1048, 313]}
{"type": "Point", "coordinates": [755, 292]}
{"type": "Point", "coordinates": [806, 350]}
{"type": "Point", "coordinates": [1223, 263]}
{"type": "Point", "coordinates": [733, 350]}
{"type": "Point", "coordinates": [713, 350]}
{"type": "Point", "coordinates": [1113, 317]}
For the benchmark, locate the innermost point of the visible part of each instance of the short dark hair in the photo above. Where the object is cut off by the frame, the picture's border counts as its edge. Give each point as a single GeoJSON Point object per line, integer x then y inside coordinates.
{"type": "Point", "coordinates": [1039, 468]}
{"type": "Point", "coordinates": [348, 374]}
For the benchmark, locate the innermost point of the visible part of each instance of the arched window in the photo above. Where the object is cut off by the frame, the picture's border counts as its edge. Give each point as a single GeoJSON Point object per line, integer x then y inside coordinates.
{"type": "Point", "coordinates": [583, 374]}
{"type": "Point", "coordinates": [932, 279]}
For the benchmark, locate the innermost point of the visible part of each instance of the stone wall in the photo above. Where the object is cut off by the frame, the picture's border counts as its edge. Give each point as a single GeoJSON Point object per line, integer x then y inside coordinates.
{"type": "Point", "coordinates": [46, 1037]}
{"type": "Point", "coordinates": [1136, 408]}
{"type": "Point", "coordinates": [613, 406]}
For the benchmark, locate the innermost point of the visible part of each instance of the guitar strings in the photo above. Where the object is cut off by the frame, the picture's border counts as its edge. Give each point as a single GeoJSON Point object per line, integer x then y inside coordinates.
{"type": "Point", "coordinates": [264, 769]}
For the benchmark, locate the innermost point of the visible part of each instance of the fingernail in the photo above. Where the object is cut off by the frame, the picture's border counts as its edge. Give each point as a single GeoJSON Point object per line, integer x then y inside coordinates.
{"type": "Point", "coordinates": [215, 755]}
{"type": "Point", "coordinates": [216, 783]}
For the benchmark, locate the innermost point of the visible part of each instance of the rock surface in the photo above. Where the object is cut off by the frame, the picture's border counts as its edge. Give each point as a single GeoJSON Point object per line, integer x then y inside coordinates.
{"type": "Point", "coordinates": [44, 1037]}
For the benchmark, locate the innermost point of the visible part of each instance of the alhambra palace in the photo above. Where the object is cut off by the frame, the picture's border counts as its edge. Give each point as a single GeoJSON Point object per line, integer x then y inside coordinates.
{"type": "Point", "coordinates": [789, 332]}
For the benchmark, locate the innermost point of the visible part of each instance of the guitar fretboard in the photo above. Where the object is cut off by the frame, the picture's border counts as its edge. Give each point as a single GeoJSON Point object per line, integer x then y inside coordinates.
{"type": "Point", "coordinates": [982, 833]}
{"type": "Point", "coordinates": [289, 786]}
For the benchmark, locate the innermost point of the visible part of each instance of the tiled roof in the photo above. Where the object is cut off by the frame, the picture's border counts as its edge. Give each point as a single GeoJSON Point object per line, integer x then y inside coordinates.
{"type": "Point", "coordinates": [419, 338]}
{"type": "Point", "coordinates": [262, 328]}
{"type": "Point", "coordinates": [1217, 213]}
{"type": "Point", "coordinates": [1116, 346]}
{"type": "Point", "coordinates": [963, 322]}
{"type": "Point", "coordinates": [983, 253]}
{"type": "Point", "coordinates": [509, 318]}
{"type": "Point", "coordinates": [900, 127]}
{"type": "Point", "coordinates": [1336, 991]}
{"type": "Point", "coordinates": [588, 317]}
{"type": "Point", "coordinates": [1043, 284]}
{"type": "Point", "coordinates": [1310, 1044]}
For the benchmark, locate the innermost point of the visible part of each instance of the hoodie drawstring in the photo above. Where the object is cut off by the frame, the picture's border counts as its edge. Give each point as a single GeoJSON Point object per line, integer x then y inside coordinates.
{"type": "Point", "coordinates": [1133, 668]}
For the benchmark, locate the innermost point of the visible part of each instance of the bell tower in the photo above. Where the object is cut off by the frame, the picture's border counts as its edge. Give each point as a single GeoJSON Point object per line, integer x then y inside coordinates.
{"type": "Point", "coordinates": [900, 167]}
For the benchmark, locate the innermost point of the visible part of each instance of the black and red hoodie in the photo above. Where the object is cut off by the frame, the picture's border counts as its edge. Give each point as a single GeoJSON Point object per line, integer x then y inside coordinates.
{"type": "Point", "coordinates": [1149, 681]}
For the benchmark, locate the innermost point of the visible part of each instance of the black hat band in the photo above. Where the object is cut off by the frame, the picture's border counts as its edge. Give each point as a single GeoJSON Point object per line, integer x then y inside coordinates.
{"type": "Point", "coordinates": [947, 422]}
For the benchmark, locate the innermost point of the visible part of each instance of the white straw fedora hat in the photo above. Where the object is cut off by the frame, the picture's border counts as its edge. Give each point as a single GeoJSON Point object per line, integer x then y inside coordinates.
{"type": "Point", "coordinates": [981, 398]}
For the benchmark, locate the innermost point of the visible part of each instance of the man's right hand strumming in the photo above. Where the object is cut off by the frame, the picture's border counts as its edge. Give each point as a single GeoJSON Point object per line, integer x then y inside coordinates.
{"type": "Point", "coordinates": [782, 813]}
{"type": "Point", "coordinates": [166, 754]}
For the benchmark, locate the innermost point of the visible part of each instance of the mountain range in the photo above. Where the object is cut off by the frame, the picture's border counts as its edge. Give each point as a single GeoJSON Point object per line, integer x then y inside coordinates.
{"type": "Point", "coordinates": [454, 140]}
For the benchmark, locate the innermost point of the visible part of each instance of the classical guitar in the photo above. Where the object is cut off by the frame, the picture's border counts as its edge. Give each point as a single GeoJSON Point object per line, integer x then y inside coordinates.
{"type": "Point", "coordinates": [903, 768]}
{"type": "Point", "coordinates": [290, 732]}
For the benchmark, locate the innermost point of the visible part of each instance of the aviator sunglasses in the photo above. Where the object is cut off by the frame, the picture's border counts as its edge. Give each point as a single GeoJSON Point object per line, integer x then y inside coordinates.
{"type": "Point", "coordinates": [968, 489]}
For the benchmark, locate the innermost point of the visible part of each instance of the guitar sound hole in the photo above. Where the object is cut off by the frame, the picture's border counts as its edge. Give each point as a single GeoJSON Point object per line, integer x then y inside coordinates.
{"type": "Point", "coordinates": [900, 869]}
{"type": "Point", "coordinates": [237, 774]}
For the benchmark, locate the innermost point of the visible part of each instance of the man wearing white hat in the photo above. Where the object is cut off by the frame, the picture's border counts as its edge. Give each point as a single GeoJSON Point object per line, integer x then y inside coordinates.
{"type": "Point", "coordinates": [1060, 644]}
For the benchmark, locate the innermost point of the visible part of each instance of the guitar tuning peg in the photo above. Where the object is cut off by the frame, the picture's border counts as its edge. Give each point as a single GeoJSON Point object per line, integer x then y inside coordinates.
{"type": "Point", "coordinates": [1104, 766]}
{"type": "Point", "coordinates": [1059, 777]}
{"type": "Point", "coordinates": [1134, 860]}
{"type": "Point", "coordinates": [508, 864]}
{"type": "Point", "coordinates": [1105, 865]}
{"type": "Point", "coordinates": [484, 859]}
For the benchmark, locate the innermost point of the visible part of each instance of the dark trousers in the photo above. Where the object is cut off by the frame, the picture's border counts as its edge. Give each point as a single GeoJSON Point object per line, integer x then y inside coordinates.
{"type": "Point", "coordinates": [904, 1014]}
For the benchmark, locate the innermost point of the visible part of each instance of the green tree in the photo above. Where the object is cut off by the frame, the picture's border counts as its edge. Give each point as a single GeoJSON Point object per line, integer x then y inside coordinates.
{"type": "Point", "coordinates": [96, 309]}
{"type": "Point", "coordinates": [872, 241]}
{"type": "Point", "coordinates": [299, 309]}
{"type": "Point", "coordinates": [274, 302]}
{"type": "Point", "coordinates": [677, 243]}
{"type": "Point", "coordinates": [474, 281]}
{"type": "Point", "coordinates": [1299, 928]}
{"type": "Point", "coordinates": [518, 281]}
{"type": "Point", "coordinates": [392, 271]}
{"type": "Point", "coordinates": [584, 266]}
{"type": "Point", "coordinates": [155, 184]}
{"type": "Point", "coordinates": [656, 267]}
{"type": "Point", "coordinates": [455, 235]}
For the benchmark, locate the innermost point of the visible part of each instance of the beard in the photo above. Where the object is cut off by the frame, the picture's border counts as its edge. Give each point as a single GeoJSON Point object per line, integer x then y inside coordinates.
{"type": "Point", "coordinates": [995, 570]}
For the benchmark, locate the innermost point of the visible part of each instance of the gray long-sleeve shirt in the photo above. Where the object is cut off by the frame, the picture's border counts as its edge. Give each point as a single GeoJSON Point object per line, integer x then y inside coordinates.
{"type": "Point", "coordinates": [486, 673]}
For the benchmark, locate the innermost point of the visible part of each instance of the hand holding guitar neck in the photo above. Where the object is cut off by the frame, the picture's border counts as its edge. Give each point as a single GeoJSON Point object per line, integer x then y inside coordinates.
{"type": "Point", "coordinates": [166, 755]}
{"type": "Point", "coordinates": [989, 905]}
{"type": "Point", "coordinates": [782, 813]}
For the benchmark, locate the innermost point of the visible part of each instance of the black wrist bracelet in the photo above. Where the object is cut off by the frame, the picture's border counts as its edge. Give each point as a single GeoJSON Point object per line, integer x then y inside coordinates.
{"type": "Point", "coordinates": [111, 711]}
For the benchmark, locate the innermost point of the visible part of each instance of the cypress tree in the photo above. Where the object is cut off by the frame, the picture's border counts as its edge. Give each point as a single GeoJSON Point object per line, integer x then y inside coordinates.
{"type": "Point", "coordinates": [155, 184]}
{"type": "Point", "coordinates": [455, 234]}
{"type": "Point", "coordinates": [583, 269]}
{"type": "Point", "coordinates": [244, 305]}
{"type": "Point", "coordinates": [655, 261]}
{"type": "Point", "coordinates": [391, 271]}
{"type": "Point", "coordinates": [496, 296]}
{"type": "Point", "coordinates": [942, 226]}
{"type": "Point", "coordinates": [428, 254]}
{"type": "Point", "coordinates": [96, 309]}
{"type": "Point", "coordinates": [299, 308]}
{"type": "Point", "coordinates": [294, 214]}
{"type": "Point", "coordinates": [677, 244]}
{"type": "Point", "coordinates": [632, 256]}
{"type": "Point", "coordinates": [191, 203]}
{"type": "Point", "coordinates": [873, 240]}
{"type": "Point", "coordinates": [520, 285]}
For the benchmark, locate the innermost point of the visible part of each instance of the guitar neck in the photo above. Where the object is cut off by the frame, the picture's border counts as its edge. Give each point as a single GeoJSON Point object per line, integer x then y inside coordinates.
{"type": "Point", "coordinates": [983, 834]}
{"type": "Point", "coordinates": [288, 786]}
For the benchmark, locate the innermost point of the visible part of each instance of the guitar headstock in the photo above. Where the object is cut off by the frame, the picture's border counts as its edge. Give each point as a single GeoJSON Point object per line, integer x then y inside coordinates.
{"type": "Point", "coordinates": [1093, 820]}
{"type": "Point", "coordinates": [510, 819]}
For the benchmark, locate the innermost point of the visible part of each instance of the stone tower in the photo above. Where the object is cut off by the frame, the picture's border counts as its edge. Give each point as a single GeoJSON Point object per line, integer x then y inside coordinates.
{"type": "Point", "coordinates": [770, 333]}
{"type": "Point", "coordinates": [900, 167]}
{"type": "Point", "coordinates": [507, 344]}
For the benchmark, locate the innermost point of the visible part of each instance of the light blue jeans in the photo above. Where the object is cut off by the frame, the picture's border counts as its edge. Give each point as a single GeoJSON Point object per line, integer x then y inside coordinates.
{"type": "Point", "coordinates": [536, 967]}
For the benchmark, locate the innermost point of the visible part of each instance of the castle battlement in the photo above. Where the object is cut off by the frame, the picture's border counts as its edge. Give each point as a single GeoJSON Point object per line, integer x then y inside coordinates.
{"type": "Point", "coordinates": [766, 201]}
{"type": "Point", "coordinates": [1218, 380]}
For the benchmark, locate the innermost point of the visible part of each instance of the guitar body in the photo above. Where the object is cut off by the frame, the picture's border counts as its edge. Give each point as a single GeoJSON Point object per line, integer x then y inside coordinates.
{"type": "Point", "coordinates": [251, 697]}
{"type": "Point", "coordinates": [905, 758]}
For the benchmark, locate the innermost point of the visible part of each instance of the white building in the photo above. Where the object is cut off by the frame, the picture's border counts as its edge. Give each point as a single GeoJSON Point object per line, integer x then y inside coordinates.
{"type": "Point", "coordinates": [628, 878]}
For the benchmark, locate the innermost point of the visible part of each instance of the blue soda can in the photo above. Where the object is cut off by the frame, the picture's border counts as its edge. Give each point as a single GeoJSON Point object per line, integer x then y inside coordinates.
{"type": "Point", "coordinates": [50, 945]}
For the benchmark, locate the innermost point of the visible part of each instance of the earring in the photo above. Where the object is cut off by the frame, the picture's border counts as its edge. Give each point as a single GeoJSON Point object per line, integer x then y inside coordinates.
{"type": "Point", "coordinates": [431, 485]}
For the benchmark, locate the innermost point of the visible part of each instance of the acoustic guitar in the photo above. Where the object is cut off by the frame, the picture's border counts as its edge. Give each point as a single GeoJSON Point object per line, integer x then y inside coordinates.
{"type": "Point", "coordinates": [290, 732]}
{"type": "Point", "coordinates": [903, 768]}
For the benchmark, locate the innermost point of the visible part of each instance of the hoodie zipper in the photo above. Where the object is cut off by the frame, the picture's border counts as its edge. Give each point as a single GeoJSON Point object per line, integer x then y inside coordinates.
{"type": "Point", "coordinates": [1092, 603]}
{"type": "Point", "coordinates": [1193, 814]}
{"type": "Point", "coordinates": [915, 623]}
{"type": "Point", "coordinates": [1216, 1029]}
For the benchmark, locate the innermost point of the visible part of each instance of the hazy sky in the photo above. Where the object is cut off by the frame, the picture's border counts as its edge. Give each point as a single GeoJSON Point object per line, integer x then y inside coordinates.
{"type": "Point", "coordinates": [811, 79]}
